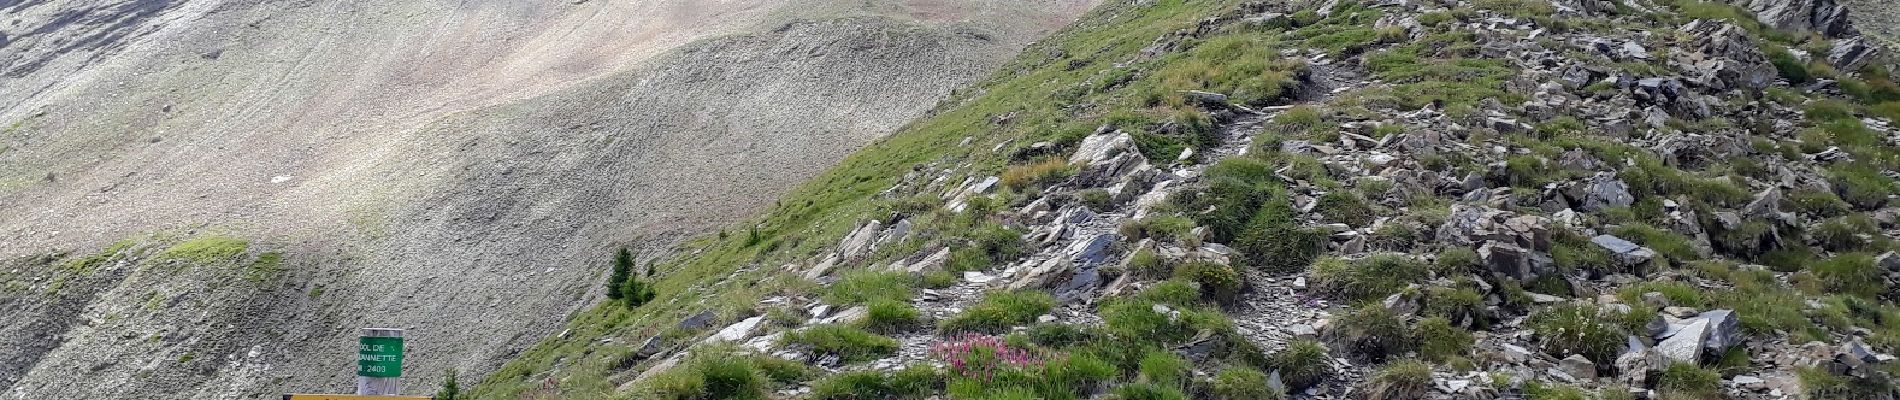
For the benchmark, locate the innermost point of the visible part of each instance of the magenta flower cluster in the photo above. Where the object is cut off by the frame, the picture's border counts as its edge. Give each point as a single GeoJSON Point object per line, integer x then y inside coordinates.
{"type": "Point", "coordinates": [981, 356]}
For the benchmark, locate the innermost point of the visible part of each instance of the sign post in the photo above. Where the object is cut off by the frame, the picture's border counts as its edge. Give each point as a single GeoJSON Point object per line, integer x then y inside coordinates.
{"type": "Point", "coordinates": [379, 362]}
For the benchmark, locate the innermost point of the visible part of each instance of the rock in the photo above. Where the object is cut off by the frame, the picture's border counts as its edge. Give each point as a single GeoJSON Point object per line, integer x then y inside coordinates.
{"type": "Point", "coordinates": [1206, 99]}
{"type": "Point", "coordinates": [860, 241]}
{"type": "Point", "coordinates": [1657, 327]}
{"type": "Point", "coordinates": [1858, 350]}
{"type": "Point", "coordinates": [1302, 331]}
{"type": "Point", "coordinates": [1686, 344]}
{"type": "Point", "coordinates": [1851, 54]}
{"type": "Point", "coordinates": [1824, 16]}
{"type": "Point", "coordinates": [650, 348]}
{"type": "Point", "coordinates": [977, 277]}
{"type": "Point", "coordinates": [1889, 261]}
{"type": "Point", "coordinates": [1094, 250]}
{"type": "Point", "coordinates": [1680, 312]}
{"type": "Point", "coordinates": [1516, 262]}
{"type": "Point", "coordinates": [1626, 253]}
{"type": "Point", "coordinates": [1633, 50]}
{"type": "Point", "coordinates": [1100, 147]}
{"type": "Point", "coordinates": [1541, 298]}
{"type": "Point", "coordinates": [737, 331]}
{"type": "Point", "coordinates": [848, 316]}
{"type": "Point", "coordinates": [1578, 366]}
{"type": "Point", "coordinates": [1655, 299]}
{"type": "Point", "coordinates": [1725, 330]}
{"type": "Point", "coordinates": [1723, 57]}
{"type": "Point", "coordinates": [702, 320]}
{"type": "Point", "coordinates": [1601, 191]}
{"type": "Point", "coordinates": [1474, 225]}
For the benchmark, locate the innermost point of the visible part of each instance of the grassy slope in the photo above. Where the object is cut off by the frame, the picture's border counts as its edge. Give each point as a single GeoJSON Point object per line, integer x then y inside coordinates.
{"type": "Point", "coordinates": [712, 272]}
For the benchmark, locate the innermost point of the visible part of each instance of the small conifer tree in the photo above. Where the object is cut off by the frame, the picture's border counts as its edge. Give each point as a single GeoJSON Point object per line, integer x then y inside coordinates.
{"type": "Point", "coordinates": [623, 270]}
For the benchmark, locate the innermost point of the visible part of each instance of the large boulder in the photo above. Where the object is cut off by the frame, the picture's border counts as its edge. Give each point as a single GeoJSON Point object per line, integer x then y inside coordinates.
{"type": "Point", "coordinates": [1725, 330]}
{"type": "Point", "coordinates": [1685, 341]}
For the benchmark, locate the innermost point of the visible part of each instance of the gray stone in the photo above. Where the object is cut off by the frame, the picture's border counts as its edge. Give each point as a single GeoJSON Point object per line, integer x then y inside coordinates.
{"type": "Point", "coordinates": [702, 320]}
{"type": "Point", "coordinates": [1851, 54]}
{"type": "Point", "coordinates": [737, 331]}
{"type": "Point", "coordinates": [1725, 330]}
{"type": "Point", "coordinates": [1578, 366]}
{"type": "Point", "coordinates": [1686, 344]}
{"type": "Point", "coordinates": [1516, 262]}
{"type": "Point", "coordinates": [1626, 253]}
{"type": "Point", "coordinates": [1206, 98]}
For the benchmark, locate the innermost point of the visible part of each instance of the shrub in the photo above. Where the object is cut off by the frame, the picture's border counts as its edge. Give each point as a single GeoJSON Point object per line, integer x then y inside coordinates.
{"type": "Point", "coordinates": [1791, 68]}
{"type": "Point", "coordinates": [1844, 233]}
{"type": "Point", "coordinates": [1862, 185]}
{"type": "Point", "coordinates": [1302, 364]}
{"type": "Point", "coordinates": [450, 389]}
{"type": "Point", "coordinates": [866, 286]}
{"type": "Point", "coordinates": [1344, 207]}
{"type": "Point", "coordinates": [1462, 306]}
{"type": "Point", "coordinates": [1527, 171]}
{"type": "Point", "coordinates": [1368, 278]}
{"type": "Point", "coordinates": [1455, 261]}
{"type": "Point", "coordinates": [1851, 273]}
{"type": "Point", "coordinates": [1146, 391]}
{"type": "Point", "coordinates": [1678, 294]}
{"type": "Point", "coordinates": [1438, 340]}
{"type": "Point", "coordinates": [1145, 263]}
{"type": "Point", "coordinates": [848, 343]}
{"type": "Point", "coordinates": [715, 373]}
{"type": "Point", "coordinates": [1159, 227]}
{"type": "Point", "coordinates": [1164, 368]}
{"type": "Point", "coordinates": [1573, 252]}
{"type": "Point", "coordinates": [999, 311]}
{"type": "Point", "coordinates": [1400, 380]}
{"type": "Point", "coordinates": [1578, 329]}
{"type": "Point", "coordinates": [1242, 383]}
{"type": "Point", "coordinates": [1666, 243]}
{"type": "Point", "coordinates": [1372, 332]}
{"type": "Point", "coordinates": [1219, 282]}
{"type": "Point", "coordinates": [1539, 390]}
{"type": "Point", "coordinates": [1821, 384]}
{"type": "Point", "coordinates": [1073, 376]}
{"type": "Point", "coordinates": [1096, 199]}
{"type": "Point", "coordinates": [987, 245]}
{"type": "Point", "coordinates": [1299, 119]}
{"type": "Point", "coordinates": [1686, 379]}
{"type": "Point", "coordinates": [1036, 174]}
{"type": "Point", "coordinates": [1057, 336]}
{"type": "Point", "coordinates": [1276, 242]}
{"type": "Point", "coordinates": [887, 316]}
{"type": "Point", "coordinates": [910, 383]}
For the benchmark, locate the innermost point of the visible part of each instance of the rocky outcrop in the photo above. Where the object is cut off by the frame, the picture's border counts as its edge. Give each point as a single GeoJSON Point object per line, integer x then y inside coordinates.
{"type": "Point", "coordinates": [1824, 16]}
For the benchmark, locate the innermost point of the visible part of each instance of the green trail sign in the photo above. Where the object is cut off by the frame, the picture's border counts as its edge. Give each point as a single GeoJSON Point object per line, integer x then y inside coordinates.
{"type": "Point", "coordinates": [379, 356]}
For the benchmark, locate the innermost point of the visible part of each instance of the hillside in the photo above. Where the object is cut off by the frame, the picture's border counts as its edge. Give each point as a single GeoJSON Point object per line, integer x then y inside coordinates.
{"type": "Point", "coordinates": [205, 199]}
{"type": "Point", "coordinates": [1343, 199]}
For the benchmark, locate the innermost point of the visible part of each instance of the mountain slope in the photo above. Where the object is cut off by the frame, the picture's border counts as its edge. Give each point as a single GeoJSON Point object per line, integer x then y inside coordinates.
{"type": "Point", "coordinates": [1379, 199]}
{"type": "Point", "coordinates": [206, 199]}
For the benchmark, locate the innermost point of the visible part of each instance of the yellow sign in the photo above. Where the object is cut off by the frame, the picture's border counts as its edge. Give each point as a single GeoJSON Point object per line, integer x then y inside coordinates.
{"type": "Point", "coordinates": [350, 397]}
